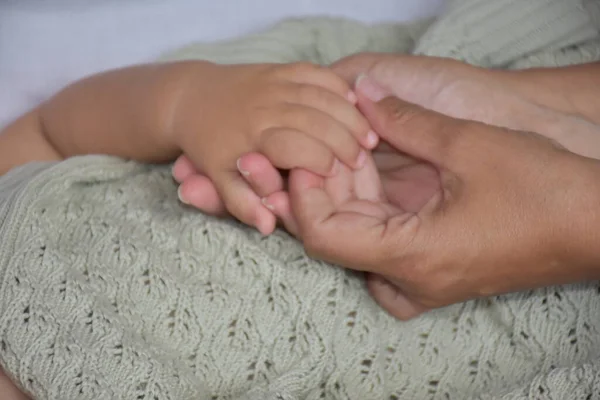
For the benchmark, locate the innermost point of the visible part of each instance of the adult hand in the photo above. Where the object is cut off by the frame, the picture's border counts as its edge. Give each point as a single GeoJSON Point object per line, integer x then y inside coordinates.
{"type": "Point", "coordinates": [512, 211]}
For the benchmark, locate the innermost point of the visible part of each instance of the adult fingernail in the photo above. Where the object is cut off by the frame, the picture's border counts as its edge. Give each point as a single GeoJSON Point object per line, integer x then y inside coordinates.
{"type": "Point", "coordinates": [240, 169]}
{"type": "Point", "coordinates": [180, 196]}
{"type": "Point", "coordinates": [372, 139]}
{"type": "Point", "coordinates": [266, 203]}
{"type": "Point", "coordinates": [361, 160]}
{"type": "Point", "coordinates": [369, 88]}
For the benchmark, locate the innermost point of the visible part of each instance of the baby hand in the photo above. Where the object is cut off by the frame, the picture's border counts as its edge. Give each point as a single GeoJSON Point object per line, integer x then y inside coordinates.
{"type": "Point", "coordinates": [296, 115]}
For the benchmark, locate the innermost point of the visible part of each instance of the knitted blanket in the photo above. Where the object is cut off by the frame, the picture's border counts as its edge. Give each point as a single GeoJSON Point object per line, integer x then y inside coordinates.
{"type": "Point", "coordinates": [111, 289]}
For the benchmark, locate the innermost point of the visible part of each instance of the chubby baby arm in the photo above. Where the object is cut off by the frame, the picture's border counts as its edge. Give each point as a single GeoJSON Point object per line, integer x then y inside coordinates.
{"type": "Point", "coordinates": [23, 142]}
{"type": "Point", "coordinates": [297, 115]}
{"type": "Point", "coordinates": [121, 112]}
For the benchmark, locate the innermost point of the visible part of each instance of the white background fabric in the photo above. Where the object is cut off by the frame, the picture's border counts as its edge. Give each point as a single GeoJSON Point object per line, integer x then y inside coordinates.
{"type": "Point", "coordinates": [46, 44]}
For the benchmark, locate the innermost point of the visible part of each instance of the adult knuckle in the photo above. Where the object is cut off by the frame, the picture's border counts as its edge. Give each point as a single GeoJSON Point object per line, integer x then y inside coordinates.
{"type": "Point", "coordinates": [401, 114]}
{"type": "Point", "coordinates": [450, 134]}
{"type": "Point", "coordinates": [416, 271]}
{"type": "Point", "coordinates": [435, 284]}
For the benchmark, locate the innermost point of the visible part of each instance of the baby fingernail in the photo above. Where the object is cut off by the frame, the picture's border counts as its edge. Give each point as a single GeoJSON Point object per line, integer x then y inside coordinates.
{"type": "Point", "coordinates": [239, 167]}
{"type": "Point", "coordinates": [174, 172]}
{"type": "Point", "coordinates": [334, 168]}
{"type": "Point", "coordinates": [267, 204]}
{"type": "Point", "coordinates": [372, 139]}
{"type": "Point", "coordinates": [361, 160]}
{"type": "Point", "coordinates": [369, 88]}
{"type": "Point", "coordinates": [352, 97]}
{"type": "Point", "coordinates": [263, 226]}
{"type": "Point", "coordinates": [180, 196]}
{"type": "Point", "coordinates": [260, 229]}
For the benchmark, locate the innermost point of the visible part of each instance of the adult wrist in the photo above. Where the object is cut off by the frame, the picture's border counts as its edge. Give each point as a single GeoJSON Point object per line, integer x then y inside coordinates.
{"type": "Point", "coordinates": [546, 110]}
{"type": "Point", "coordinates": [581, 233]}
{"type": "Point", "coordinates": [534, 85]}
{"type": "Point", "coordinates": [570, 89]}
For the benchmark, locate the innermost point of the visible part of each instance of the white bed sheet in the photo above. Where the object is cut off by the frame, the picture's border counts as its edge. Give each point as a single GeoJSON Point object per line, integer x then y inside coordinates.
{"type": "Point", "coordinates": [46, 44]}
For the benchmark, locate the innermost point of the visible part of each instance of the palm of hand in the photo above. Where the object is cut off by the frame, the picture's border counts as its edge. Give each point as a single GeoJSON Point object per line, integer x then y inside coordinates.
{"type": "Point", "coordinates": [407, 183]}
{"type": "Point", "coordinates": [390, 185]}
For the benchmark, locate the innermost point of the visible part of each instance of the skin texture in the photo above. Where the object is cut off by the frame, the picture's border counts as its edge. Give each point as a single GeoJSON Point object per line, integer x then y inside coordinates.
{"type": "Point", "coordinates": [574, 93]}
{"type": "Point", "coordinates": [418, 204]}
{"type": "Point", "coordinates": [295, 115]}
{"type": "Point", "coordinates": [298, 115]}
{"type": "Point", "coordinates": [8, 391]}
{"type": "Point", "coordinates": [530, 100]}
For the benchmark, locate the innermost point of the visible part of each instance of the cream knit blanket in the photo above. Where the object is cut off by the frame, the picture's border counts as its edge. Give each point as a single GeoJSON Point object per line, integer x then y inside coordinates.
{"type": "Point", "coordinates": [110, 289]}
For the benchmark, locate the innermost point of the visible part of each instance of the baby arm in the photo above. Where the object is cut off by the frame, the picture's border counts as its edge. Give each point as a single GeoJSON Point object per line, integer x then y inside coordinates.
{"type": "Point", "coordinates": [121, 112]}
{"type": "Point", "coordinates": [297, 115]}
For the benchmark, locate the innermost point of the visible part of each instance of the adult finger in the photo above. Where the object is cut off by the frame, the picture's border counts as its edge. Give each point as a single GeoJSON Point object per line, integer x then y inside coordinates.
{"type": "Point", "coordinates": [414, 130]}
{"type": "Point", "coordinates": [392, 299]}
{"type": "Point", "coordinates": [350, 68]}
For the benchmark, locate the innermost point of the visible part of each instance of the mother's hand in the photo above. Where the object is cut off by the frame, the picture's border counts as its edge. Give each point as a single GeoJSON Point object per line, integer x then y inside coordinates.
{"type": "Point", "coordinates": [512, 211]}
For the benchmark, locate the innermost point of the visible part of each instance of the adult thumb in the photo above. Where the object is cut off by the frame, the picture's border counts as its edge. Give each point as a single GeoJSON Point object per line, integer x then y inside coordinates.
{"type": "Point", "coordinates": [392, 299]}
{"type": "Point", "coordinates": [411, 129]}
{"type": "Point", "coordinates": [351, 67]}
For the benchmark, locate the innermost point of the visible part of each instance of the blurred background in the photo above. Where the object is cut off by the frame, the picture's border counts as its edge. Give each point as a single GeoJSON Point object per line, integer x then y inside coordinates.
{"type": "Point", "coordinates": [44, 45]}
